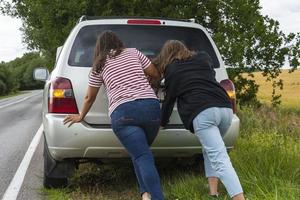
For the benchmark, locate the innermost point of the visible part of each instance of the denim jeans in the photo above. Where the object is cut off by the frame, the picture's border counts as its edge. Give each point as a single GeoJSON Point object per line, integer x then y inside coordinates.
{"type": "Point", "coordinates": [136, 124]}
{"type": "Point", "coordinates": [210, 126]}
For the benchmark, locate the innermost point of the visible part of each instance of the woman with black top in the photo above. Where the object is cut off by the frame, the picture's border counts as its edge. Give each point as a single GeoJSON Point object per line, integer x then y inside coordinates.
{"type": "Point", "coordinates": [204, 108]}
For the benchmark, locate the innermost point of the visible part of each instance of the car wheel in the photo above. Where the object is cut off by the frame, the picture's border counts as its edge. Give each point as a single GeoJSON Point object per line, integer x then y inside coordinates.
{"type": "Point", "coordinates": [56, 173]}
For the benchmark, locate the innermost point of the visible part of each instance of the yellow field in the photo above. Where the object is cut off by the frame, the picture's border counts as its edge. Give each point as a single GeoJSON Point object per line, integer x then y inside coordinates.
{"type": "Point", "coordinates": [291, 88]}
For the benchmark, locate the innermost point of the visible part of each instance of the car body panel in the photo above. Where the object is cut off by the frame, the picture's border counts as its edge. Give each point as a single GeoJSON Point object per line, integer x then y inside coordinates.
{"type": "Point", "coordinates": [84, 141]}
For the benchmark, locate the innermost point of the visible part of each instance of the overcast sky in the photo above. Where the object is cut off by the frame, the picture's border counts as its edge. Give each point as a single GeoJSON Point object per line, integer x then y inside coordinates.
{"type": "Point", "coordinates": [287, 12]}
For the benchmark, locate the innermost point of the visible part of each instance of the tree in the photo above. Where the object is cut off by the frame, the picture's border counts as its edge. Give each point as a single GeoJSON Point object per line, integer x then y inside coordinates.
{"type": "Point", "coordinates": [23, 67]}
{"type": "Point", "coordinates": [247, 40]}
{"type": "Point", "coordinates": [18, 74]}
{"type": "Point", "coordinates": [8, 81]}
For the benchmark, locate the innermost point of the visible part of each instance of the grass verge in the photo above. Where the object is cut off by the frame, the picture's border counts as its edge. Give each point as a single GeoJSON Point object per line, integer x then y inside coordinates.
{"type": "Point", "coordinates": [11, 95]}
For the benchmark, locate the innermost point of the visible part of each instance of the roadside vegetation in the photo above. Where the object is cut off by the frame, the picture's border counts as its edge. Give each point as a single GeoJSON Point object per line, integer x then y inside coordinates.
{"type": "Point", "coordinates": [17, 74]}
{"type": "Point", "coordinates": [10, 95]}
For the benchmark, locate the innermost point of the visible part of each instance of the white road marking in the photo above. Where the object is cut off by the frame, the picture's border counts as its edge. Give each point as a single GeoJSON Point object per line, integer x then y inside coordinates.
{"type": "Point", "coordinates": [14, 187]}
{"type": "Point", "coordinates": [15, 102]}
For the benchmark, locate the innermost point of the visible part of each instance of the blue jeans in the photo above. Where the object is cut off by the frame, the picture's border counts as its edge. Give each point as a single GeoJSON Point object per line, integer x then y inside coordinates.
{"type": "Point", "coordinates": [136, 124]}
{"type": "Point", "coordinates": [210, 126]}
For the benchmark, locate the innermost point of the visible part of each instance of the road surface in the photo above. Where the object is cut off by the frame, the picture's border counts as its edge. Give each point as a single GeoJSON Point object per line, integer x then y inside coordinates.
{"type": "Point", "coordinates": [20, 118]}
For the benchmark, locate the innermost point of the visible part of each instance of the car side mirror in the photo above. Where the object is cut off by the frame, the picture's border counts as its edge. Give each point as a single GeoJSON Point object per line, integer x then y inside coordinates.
{"type": "Point", "coordinates": [40, 74]}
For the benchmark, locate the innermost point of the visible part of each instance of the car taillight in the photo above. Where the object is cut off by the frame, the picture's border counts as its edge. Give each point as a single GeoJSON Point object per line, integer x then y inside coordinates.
{"type": "Point", "coordinates": [143, 21]}
{"type": "Point", "coordinates": [61, 97]}
{"type": "Point", "coordinates": [230, 89]}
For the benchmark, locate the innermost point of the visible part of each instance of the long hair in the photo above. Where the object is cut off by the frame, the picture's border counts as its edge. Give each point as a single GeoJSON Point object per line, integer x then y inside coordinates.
{"type": "Point", "coordinates": [171, 50]}
{"type": "Point", "coordinates": [107, 45]}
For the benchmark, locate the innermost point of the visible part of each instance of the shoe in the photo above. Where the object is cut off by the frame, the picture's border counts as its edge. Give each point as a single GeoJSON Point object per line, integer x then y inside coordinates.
{"type": "Point", "coordinates": [146, 196]}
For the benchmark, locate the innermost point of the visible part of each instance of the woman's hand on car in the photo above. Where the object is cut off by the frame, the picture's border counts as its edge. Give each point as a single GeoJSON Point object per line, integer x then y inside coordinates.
{"type": "Point", "coordinates": [74, 118]}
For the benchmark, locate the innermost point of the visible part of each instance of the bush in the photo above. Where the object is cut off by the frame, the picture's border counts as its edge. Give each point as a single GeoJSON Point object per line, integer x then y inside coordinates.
{"type": "Point", "coordinates": [8, 81]}
{"type": "Point", "coordinates": [22, 69]}
{"type": "Point", "coordinates": [2, 88]}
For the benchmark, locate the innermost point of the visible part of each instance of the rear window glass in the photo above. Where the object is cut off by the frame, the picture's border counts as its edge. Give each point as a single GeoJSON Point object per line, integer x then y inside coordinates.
{"type": "Point", "coordinates": [147, 39]}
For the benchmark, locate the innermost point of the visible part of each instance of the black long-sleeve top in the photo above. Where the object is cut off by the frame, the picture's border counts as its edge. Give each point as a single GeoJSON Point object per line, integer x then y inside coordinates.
{"type": "Point", "coordinates": [192, 82]}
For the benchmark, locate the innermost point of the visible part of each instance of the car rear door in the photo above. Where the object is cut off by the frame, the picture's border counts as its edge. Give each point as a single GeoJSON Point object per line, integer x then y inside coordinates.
{"type": "Point", "coordinates": [148, 39]}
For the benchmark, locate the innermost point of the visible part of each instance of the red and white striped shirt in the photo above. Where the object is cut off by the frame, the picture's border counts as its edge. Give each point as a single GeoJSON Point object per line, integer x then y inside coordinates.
{"type": "Point", "coordinates": [124, 78]}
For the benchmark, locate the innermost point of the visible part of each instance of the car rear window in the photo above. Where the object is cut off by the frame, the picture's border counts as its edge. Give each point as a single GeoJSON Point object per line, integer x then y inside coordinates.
{"type": "Point", "coordinates": [147, 39]}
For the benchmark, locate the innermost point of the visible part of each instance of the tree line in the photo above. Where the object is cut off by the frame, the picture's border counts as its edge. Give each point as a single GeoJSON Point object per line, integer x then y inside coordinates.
{"type": "Point", "coordinates": [17, 74]}
{"type": "Point", "coordinates": [247, 40]}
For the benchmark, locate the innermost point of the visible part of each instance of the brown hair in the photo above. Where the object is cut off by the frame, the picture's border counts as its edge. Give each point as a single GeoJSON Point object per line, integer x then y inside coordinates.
{"type": "Point", "coordinates": [107, 45]}
{"type": "Point", "coordinates": [172, 50]}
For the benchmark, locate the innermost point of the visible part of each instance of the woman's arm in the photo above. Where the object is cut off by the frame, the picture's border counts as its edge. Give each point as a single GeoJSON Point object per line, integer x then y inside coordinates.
{"type": "Point", "coordinates": [152, 72]}
{"type": "Point", "coordinates": [88, 102]}
{"type": "Point", "coordinates": [170, 98]}
{"type": "Point", "coordinates": [167, 108]}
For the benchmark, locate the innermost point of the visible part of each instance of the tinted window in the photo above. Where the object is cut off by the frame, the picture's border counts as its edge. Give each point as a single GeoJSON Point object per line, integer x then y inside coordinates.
{"type": "Point", "coordinates": [148, 39]}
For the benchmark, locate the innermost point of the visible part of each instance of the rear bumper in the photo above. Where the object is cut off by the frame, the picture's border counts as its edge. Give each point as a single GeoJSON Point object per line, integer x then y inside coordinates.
{"type": "Point", "coordinates": [84, 141]}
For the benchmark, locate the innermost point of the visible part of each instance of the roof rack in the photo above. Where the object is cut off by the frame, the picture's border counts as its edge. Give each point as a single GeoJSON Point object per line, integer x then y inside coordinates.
{"type": "Point", "coordinates": [86, 18]}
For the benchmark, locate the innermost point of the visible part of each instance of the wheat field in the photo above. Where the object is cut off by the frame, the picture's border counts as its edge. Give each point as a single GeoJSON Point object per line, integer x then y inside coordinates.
{"type": "Point", "coordinates": [291, 88]}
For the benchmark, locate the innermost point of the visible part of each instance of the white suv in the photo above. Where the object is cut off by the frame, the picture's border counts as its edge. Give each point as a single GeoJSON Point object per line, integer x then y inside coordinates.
{"type": "Point", "coordinates": [93, 139]}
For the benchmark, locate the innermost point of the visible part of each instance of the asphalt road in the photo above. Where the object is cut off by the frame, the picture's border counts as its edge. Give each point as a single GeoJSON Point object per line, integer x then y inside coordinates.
{"type": "Point", "coordinates": [20, 118]}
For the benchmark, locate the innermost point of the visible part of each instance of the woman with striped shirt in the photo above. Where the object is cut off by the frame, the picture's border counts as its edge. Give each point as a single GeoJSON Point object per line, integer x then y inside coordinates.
{"type": "Point", "coordinates": [133, 106]}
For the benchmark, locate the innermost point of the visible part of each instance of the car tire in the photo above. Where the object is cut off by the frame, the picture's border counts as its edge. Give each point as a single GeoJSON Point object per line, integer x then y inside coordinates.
{"type": "Point", "coordinates": [56, 173]}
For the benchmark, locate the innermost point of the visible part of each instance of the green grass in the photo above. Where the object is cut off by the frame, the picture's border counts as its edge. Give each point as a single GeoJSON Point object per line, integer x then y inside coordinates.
{"type": "Point", "coordinates": [266, 158]}
{"type": "Point", "coordinates": [11, 95]}
{"type": "Point", "coordinates": [57, 194]}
